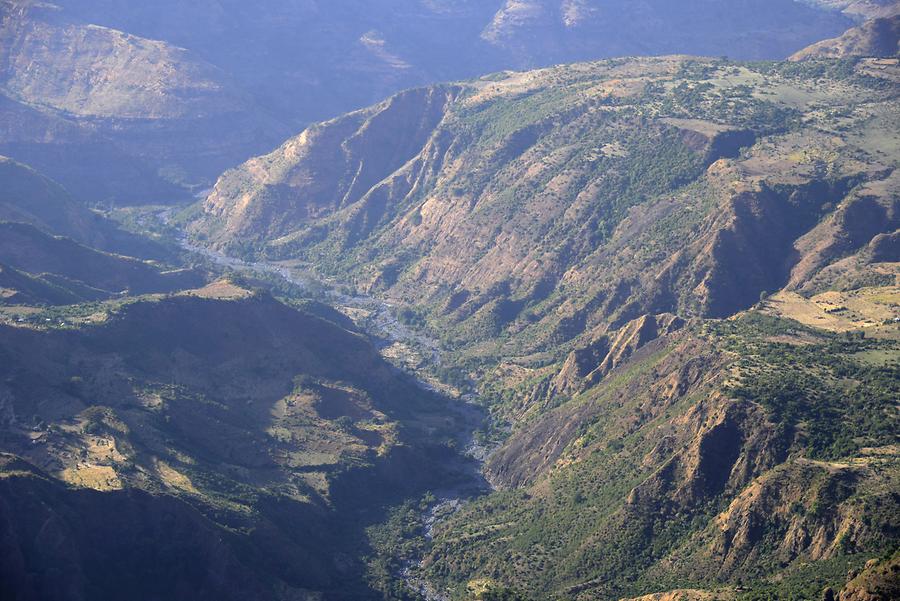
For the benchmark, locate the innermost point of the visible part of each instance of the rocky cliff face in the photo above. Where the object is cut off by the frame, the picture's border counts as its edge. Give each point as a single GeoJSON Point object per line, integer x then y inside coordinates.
{"type": "Point", "coordinates": [552, 203]}
{"type": "Point", "coordinates": [352, 161]}
{"type": "Point", "coordinates": [130, 103]}
{"type": "Point", "coordinates": [877, 581]}
{"type": "Point", "coordinates": [586, 366]}
{"type": "Point", "coordinates": [877, 37]}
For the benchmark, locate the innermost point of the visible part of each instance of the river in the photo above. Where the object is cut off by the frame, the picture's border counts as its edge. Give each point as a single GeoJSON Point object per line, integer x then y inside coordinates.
{"type": "Point", "coordinates": [378, 318]}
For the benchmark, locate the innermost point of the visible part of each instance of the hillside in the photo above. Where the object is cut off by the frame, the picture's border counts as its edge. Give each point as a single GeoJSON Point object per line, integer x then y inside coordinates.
{"type": "Point", "coordinates": [208, 444]}
{"type": "Point", "coordinates": [138, 103]}
{"type": "Point", "coordinates": [165, 437]}
{"type": "Point", "coordinates": [877, 37]}
{"type": "Point", "coordinates": [861, 10]}
{"type": "Point", "coordinates": [533, 211]}
{"type": "Point", "coordinates": [98, 109]}
{"type": "Point", "coordinates": [749, 458]}
{"type": "Point", "coordinates": [27, 196]}
{"type": "Point", "coordinates": [673, 279]}
{"type": "Point", "coordinates": [86, 273]}
{"type": "Point", "coordinates": [56, 251]}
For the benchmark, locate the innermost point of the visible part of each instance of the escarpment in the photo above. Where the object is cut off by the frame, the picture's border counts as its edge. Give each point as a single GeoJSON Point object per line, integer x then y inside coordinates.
{"type": "Point", "coordinates": [547, 204]}
{"type": "Point", "coordinates": [327, 168]}
{"type": "Point", "coordinates": [876, 37]}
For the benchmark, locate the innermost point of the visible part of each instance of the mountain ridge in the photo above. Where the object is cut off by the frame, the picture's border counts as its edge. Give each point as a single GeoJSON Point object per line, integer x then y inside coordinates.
{"type": "Point", "coordinates": [502, 224]}
{"type": "Point", "coordinates": [169, 96]}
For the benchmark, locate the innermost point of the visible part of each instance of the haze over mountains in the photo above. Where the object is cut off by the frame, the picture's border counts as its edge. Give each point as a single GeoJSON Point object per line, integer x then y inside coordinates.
{"type": "Point", "coordinates": [132, 102]}
{"type": "Point", "coordinates": [619, 329]}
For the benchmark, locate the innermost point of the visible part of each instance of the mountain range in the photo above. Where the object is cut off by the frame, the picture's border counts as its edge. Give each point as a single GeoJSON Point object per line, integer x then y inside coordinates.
{"type": "Point", "coordinates": [130, 103]}
{"type": "Point", "coordinates": [619, 329]}
{"type": "Point", "coordinates": [575, 236]}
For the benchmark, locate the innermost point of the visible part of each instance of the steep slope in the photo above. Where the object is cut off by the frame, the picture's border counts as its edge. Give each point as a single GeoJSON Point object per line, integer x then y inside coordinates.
{"type": "Point", "coordinates": [137, 102]}
{"type": "Point", "coordinates": [327, 168]}
{"type": "Point", "coordinates": [876, 582]}
{"type": "Point", "coordinates": [21, 288]}
{"type": "Point", "coordinates": [43, 523]}
{"type": "Point", "coordinates": [26, 196]}
{"type": "Point", "coordinates": [83, 270]}
{"type": "Point", "coordinates": [546, 207]}
{"type": "Point", "coordinates": [577, 237]}
{"type": "Point", "coordinates": [753, 455]}
{"type": "Point", "coordinates": [223, 437]}
{"type": "Point", "coordinates": [878, 37]}
{"type": "Point", "coordinates": [82, 88]}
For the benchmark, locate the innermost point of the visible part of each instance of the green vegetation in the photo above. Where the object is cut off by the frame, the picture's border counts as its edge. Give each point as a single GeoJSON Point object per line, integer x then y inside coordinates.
{"type": "Point", "coordinates": [396, 544]}
{"type": "Point", "coordinates": [615, 510]}
{"type": "Point", "coordinates": [551, 211]}
{"type": "Point", "coordinates": [547, 228]}
{"type": "Point", "coordinates": [818, 391]}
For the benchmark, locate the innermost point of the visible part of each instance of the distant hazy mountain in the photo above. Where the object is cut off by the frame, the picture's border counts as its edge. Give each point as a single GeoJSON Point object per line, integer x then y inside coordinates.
{"type": "Point", "coordinates": [876, 37]}
{"type": "Point", "coordinates": [137, 101]}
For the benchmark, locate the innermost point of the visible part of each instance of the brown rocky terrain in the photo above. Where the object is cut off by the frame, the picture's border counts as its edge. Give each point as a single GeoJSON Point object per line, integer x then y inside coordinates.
{"type": "Point", "coordinates": [558, 204]}
{"type": "Point", "coordinates": [877, 37]}
{"type": "Point", "coordinates": [134, 103]}
{"type": "Point", "coordinates": [877, 581]}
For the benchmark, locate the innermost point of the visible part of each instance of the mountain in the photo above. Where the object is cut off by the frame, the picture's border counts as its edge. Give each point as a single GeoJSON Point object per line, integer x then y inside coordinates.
{"type": "Point", "coordinates": [80, 99]}
{"type": "Point", "coordinates": [568, 30]}
{"type": "Point", "coordinates": [674, 281]}
{"type": "Point", "coordinates": [166, 434]}
{"type": "Point", "coordinates": [860, 10]}
{"type": "Point", "coordinates": [54, 250]}
{"type": "Point", "coordinates": [672, 284]}
{"type": "Point", "coordinates": [212, 443]}
{"type": "Point", "coordinates": [877, 37]}
{"type": "Point", "coordinates": [533, 209]}
{"type": "Point", "coordinates": [751, 454]}
{"type": "Point", "coordinates": [132, 103]}
{"type": "Point", "coordinates": [86, 273]}
{"type": "Point", "coordinates": [27, 196]}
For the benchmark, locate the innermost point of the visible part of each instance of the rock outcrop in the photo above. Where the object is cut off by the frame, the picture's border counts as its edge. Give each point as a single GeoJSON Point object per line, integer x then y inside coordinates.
{"type": "Point", "coordinates": [878, 37]}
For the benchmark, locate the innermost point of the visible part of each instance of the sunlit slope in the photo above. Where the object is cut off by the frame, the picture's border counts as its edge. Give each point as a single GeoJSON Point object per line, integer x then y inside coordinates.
{"type": "Point", "coordinates": [253, 440]}
{"type": "Point", "coordinates": [525, 209]}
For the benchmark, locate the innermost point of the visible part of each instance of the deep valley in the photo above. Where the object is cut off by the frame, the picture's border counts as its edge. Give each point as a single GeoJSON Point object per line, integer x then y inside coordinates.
{"type": "Point", "coordinates": [444, 300]}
